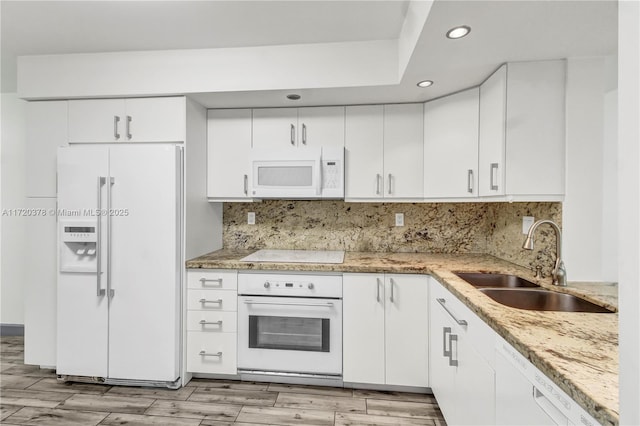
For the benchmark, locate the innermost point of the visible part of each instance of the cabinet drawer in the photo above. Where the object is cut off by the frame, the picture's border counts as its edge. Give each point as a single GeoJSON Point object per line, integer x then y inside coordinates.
{"type": "Point", "coordinates": [212, 322]}
{"type": "Point", "coordinates": [212, 353]}
{"type": "Point", "coordinates": [212, 279]}
{"type": "Point", "coordinates": [212, 300]}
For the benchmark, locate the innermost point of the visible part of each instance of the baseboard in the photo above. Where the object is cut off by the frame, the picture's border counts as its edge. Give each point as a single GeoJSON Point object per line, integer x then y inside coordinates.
{"type": "Point", "coordinates": [11, 330]}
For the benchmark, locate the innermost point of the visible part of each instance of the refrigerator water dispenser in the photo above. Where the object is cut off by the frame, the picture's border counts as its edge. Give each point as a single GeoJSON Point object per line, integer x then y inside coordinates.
{"type": "Point", "coordinates": [78, 245]}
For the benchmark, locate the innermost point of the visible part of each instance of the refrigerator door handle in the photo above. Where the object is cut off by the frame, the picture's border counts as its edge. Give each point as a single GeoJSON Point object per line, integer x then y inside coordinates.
{"type": "Point", "coordinates": [111, 291]}
{"type": "Point", "coordinates": [100, 291]}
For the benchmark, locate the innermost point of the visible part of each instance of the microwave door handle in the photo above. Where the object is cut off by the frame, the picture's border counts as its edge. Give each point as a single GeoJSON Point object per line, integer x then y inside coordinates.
{"type": "Point", "coordinates": [319, 177]}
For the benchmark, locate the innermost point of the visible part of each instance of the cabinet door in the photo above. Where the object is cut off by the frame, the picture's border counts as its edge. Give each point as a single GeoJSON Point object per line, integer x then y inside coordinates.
{"type": "Point", "coordinates": [364, 151]}
{"type": "Point", "coordinates": [451, 145]}
{"type": "Point", "coordinates": [321, 126]}
{"type": "Point", "coordinates": [406, 330]}
{"type": "Point", "coordinates": [491, 164]}
{"type": "Point", "coordinates": [46, 131]}
{"type": "Point", "coordinates": [475, 384]}
{"type": "Point", "coordinates": [275, 128]}
{"type": "Point", "coordinates": [155, 119]}
{"type": "Point", "coordinates": [403, 151]}
{"type": "Point", "coordinates": [363, 328]}
{"type": "Point", "coordinates": [97, 120]}
{"type": "Point", "coordinates": [535, 138]}
{"type": "Point", "coordinates": [441, 373]}
{"type": "Point", "coordinates": [228, 149]}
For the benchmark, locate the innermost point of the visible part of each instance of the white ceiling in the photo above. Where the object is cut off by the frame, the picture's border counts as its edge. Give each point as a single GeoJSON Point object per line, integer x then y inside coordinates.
{"type": "Point", "coordinates": [501, 31]}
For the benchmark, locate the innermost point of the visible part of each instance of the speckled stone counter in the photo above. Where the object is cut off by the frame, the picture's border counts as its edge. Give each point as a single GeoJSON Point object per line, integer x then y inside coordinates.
{"type": "Point", "coordinates": [578, 351]}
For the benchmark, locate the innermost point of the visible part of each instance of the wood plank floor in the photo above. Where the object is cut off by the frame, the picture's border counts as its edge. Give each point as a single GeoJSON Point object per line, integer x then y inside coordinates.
{"type": "Point", "coordinates": [32, 396]}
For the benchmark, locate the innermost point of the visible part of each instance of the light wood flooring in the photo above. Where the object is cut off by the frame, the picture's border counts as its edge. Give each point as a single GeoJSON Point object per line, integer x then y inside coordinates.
{"type": "Point", "coordinates": [31, 396]}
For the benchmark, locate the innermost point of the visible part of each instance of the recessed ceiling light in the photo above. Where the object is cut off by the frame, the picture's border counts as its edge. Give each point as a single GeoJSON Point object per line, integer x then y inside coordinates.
{"type": "Point", "coordinates": [293, 97]}
{"type": "Point", "coordinates": [425, 83]}
{"type": "Point", "coordinates": [458, 32]}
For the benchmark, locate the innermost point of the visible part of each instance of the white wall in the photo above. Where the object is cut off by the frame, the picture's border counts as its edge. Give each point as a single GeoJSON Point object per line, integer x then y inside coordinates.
{"type": "Point", "coordinates": [589, 218]}
{"type": "Point", "coordinates": [629, 208]}
{"type": "Point", "coordinates": [13, 193]}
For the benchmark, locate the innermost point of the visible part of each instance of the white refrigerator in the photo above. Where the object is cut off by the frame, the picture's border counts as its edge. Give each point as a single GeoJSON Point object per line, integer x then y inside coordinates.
{"type": "Point", "coordinates": [120, 212]}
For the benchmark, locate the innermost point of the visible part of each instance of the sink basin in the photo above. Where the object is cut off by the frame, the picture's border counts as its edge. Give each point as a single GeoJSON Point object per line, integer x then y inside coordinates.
{"type": "Point", "coordinates": [537, 299]}
{"type": "Point", "coordinates": [483, 280]}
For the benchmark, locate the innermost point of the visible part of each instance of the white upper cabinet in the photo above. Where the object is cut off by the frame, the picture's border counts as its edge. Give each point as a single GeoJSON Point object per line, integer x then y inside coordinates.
{"type": "Point", "coordinates": [47, 131]}
{"type": "Point", "coordinates": [321, 126]}
{"type": "Point", "coordinates": [491, 164]}
{"type": "Point", "coordinates": [279, 128]}
{"type": "Point", "coordinates": [384, 152]}
{"type": "Point", "coordinates": [535, 139]}
{"type": "Point", "coordinates": [228, 148]}
{"type": "Point", "coordinates": [127, 120]}
{"type": "Point", "coordinates": [275, 127]}
{"type": "Point", "coordinates": [403, 151]}
{"type": "Point", "coordinates": [364, 151]}
{"type": "Point", "coordinates": [451, 146]}
{"type": "Point", "coordinates": [522, 131]}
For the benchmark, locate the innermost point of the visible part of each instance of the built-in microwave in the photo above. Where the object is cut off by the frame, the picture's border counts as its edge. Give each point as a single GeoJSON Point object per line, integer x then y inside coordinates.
{"type": "Point", "coordinates": [300, 173]}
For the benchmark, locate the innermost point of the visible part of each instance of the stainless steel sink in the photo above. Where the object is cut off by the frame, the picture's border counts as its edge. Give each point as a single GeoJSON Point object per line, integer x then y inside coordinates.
{"type": "Point", "coordinates": [537, 299]}
{"type": "Point", "coordinates": [487, 280]}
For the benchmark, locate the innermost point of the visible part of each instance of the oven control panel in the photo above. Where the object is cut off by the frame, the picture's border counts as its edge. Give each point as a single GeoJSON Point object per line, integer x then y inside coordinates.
{"type": "Point", "coordinates": [300, 285]}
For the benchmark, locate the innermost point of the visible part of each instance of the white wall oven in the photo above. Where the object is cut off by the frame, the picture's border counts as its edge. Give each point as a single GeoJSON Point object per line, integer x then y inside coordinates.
{"type": "Point", "coordinates": [290, 325]}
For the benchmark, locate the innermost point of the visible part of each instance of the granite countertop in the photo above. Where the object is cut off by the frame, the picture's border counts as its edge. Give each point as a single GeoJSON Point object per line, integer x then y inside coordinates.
{"type": "Point", "coordinates": [578, 351]}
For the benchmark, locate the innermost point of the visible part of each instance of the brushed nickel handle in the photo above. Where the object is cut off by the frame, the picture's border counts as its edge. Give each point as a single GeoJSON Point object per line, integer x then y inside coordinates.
{"type": "Point", "coordinates": [378, 289]}
{"type": "Point", "coordinates": [205, 322]}
{"type": "Point", "coordinates": [116, 120]}
{"type": "Point", "coordinates": [304, 134]}
{"type": "Point", "coordinates": [452, 338]}
{"type": "Point", "coordinates": [128, 127]}
{"type": "Point", "coordinates": [204, 281]}
{"type": "Point", "coordinates": [293, 134]}
{"type": "Point", "coordinates": [204, 353]}
{"type": "Point", "coordinates": [494, 171]}
{"type": "Point", "coordinates": [391, 283]}
{"type": "Point", "coordinates": [246, 185]}
{"type": "Point", "coordinates": [378, 177]}
{"type": "Point", "coordinates": [445, 352]}
{"type": "Point", "coordinates": [389, 190]}
{"type": "Point", "coordinates": [219, 301]}
{"type": "Point", "coordinates": [442, 303]}
{"type": "Point", "coordinates": [470, 181]}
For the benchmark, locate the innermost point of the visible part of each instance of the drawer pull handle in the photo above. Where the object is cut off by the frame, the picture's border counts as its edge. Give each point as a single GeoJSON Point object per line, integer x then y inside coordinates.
{"type": "Point", "coordinates": [204, 322]}
{"type": "Point", "coordinates": [460, 322]}
{"type": "Point", "coordinates": [204, 353]}
{"type": "Point", "coordinates": [204, 281]}
{"type": "Point", "coordinates": [203, 301]}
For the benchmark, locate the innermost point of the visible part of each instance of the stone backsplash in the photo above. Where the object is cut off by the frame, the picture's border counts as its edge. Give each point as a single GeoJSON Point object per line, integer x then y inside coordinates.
{"type": "Point", "coordinates": [494, 228]}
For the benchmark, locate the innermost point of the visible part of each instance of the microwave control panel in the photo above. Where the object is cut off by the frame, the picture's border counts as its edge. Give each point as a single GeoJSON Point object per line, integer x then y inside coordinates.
{"type": "Point", "coordinates": [331, 174]}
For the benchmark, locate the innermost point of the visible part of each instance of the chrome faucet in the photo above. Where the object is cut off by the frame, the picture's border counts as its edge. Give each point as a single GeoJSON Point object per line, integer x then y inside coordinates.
{"type": "Point", "coordinates": [559, 273]}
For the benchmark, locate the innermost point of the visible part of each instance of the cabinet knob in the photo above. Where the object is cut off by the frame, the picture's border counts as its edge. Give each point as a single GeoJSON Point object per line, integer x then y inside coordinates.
{"type": "Point", "coordinates": [310, 286]}
{"type": "Point", "coordinates": [267, 284]}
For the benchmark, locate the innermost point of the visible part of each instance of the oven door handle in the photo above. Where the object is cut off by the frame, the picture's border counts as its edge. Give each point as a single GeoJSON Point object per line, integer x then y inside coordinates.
{"type": "Point", "coordinates": [321, 305]}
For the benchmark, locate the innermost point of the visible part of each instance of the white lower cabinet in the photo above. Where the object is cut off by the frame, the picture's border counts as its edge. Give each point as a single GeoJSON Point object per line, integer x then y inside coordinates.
{"type": "Point", "coordinates": [461, 364]}
{"type": "Point", "coordinates": [385, 329]}
{"type": "Point", "coordinates": [212, 305]}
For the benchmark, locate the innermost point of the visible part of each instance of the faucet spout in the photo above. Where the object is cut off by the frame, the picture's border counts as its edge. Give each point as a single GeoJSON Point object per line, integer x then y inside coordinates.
{"type": "Point", "coordinates": [559, 272]}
